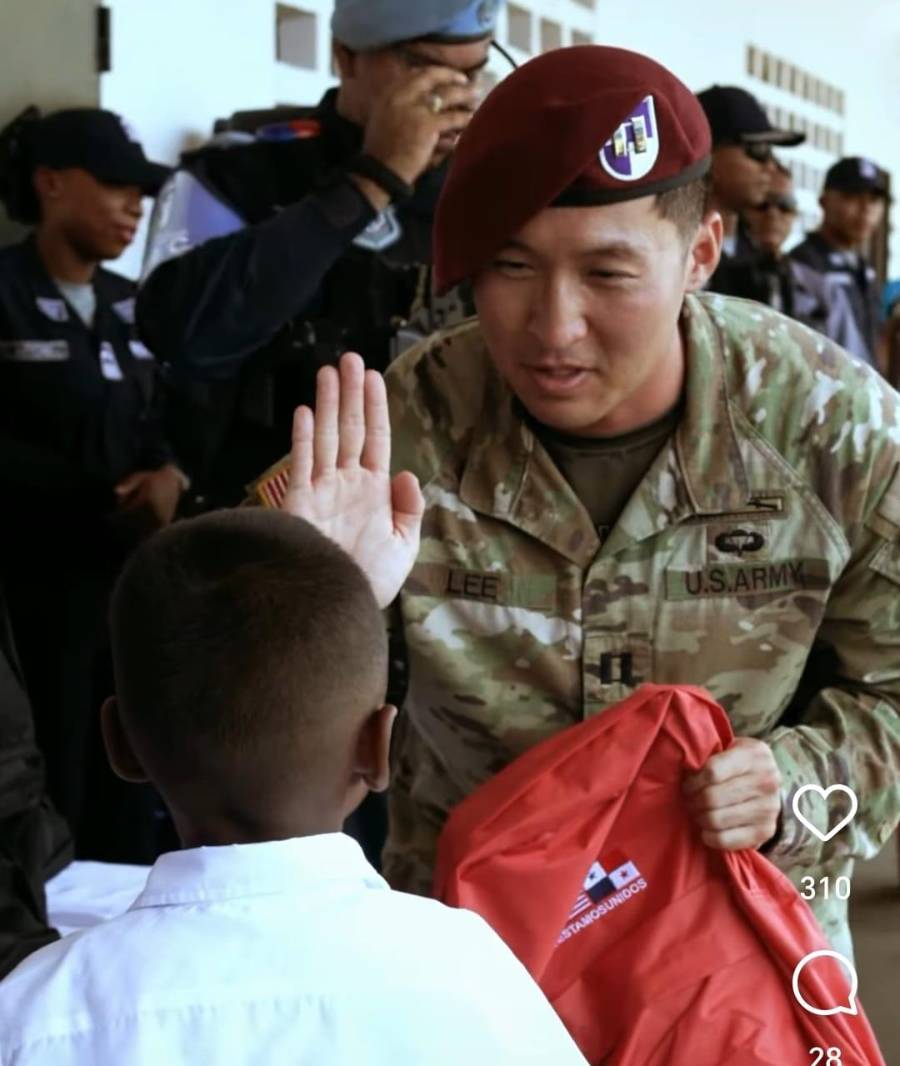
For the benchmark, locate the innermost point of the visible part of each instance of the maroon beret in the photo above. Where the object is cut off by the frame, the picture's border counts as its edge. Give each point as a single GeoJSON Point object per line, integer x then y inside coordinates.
{"type": "Point", "coordinates": [575, 126]}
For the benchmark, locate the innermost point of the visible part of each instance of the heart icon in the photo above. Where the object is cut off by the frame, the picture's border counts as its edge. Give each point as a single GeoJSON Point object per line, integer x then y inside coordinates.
{"type": "Point", "coordinates": [825, 793]}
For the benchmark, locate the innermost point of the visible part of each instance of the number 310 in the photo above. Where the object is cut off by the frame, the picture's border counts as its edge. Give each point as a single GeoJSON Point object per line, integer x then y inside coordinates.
{"type": "Point", "coordinates": [841, 887]}
{"type": "Point", "coordinates": [832, 1054]}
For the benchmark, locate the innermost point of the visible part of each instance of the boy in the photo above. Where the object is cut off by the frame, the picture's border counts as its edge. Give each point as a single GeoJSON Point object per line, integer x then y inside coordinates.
{"type": "Point", "coordinates": [251, 666]}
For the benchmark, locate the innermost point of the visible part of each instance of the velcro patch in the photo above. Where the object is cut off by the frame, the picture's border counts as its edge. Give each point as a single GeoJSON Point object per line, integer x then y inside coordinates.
{"type": "Point", "coordinates": [535, 591]}
{"type": "Point", "coordinates": [34, 351]}
{"type": "Point", "coordinates": [270, 488]}
{"type": "Point", "coordinates": [747, 579]}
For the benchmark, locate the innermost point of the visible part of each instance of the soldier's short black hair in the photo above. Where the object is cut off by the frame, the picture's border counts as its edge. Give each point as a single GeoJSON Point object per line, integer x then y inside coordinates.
{"type": "Point", "coordinates": [244, 639]}
{"type": "Point", "coordinates": [687, 205]}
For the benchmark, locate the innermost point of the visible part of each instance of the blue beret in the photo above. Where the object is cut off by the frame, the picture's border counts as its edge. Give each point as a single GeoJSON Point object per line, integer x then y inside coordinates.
{"type": "Point", "coordinates": [365, 25]}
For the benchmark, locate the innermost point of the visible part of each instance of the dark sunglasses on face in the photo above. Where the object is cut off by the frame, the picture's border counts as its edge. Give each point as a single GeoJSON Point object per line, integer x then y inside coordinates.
{"type": "Point", "coordinates": [785, 204]}
{"type": "Point", "coordinates": [759, 153]}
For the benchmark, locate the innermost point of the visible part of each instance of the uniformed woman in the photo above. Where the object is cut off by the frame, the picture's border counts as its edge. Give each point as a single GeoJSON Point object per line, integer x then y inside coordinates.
{"type": "Point", "coordinates": [85, 470]}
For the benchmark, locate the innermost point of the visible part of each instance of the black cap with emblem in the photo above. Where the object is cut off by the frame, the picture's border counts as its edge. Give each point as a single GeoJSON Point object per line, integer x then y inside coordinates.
{"type": "Point", "coordinates": [857, 174]}
{"type": "Point", "coordinates": [96, 141]}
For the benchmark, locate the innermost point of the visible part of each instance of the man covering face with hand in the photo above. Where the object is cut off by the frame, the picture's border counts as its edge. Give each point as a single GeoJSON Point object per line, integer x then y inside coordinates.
{"type": "Point", "coordinates": [268, 258]}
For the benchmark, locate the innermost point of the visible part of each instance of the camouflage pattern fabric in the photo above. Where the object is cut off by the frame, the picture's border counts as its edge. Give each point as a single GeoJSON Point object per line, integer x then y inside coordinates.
{"type": "Point", "coordinates": [759, 558]}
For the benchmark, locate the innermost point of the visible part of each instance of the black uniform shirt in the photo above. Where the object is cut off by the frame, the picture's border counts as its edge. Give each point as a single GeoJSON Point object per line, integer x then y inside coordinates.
{"type": "Point", "coordinates": [252, 315]}
{"type": "Point", "coordinates": [77, 405]}
{"type": "Point", "coordinates": [859, 281]}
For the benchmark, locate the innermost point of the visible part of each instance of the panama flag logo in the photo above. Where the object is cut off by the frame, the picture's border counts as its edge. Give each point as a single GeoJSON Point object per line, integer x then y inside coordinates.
{"type": "Point", "coordinates": [609, 874]}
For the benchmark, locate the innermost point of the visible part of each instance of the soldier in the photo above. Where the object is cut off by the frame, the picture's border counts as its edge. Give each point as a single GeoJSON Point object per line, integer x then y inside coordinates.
{"type": "Point", "coordinates": [269, 259]}
{"type": "Point", "coordinates": [625, 480]}
{"type": "Point", "coordinates": [853, 204]}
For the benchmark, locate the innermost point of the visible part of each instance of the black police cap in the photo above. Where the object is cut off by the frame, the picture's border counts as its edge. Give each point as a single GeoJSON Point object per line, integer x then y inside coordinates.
{"type": "Point", "coordinates": [736, 117]}
{"type": "Point", "coordinates": [857, 174]}
{"type": "Point", "coordinates": [96, 141]}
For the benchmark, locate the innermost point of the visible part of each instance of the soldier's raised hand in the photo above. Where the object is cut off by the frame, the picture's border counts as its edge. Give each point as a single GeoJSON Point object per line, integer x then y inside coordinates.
{"type": "Point", "coordinates": [340, 476]}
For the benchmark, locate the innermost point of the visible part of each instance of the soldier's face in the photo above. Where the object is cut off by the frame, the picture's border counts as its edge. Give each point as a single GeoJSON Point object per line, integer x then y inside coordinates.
{"type": "Point", "coordinates": [852, 217]}
{"type": "Point", "coordinates": [580, 312]}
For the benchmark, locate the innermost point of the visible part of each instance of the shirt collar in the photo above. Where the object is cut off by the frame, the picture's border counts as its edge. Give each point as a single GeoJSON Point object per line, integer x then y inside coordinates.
{"type": "Point", "coordinates": [276, 867]}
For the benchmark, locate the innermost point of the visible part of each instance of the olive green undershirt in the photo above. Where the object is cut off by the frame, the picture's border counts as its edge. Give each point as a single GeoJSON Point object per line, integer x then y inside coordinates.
{"type": "Point", "coordinates": [605, 471]}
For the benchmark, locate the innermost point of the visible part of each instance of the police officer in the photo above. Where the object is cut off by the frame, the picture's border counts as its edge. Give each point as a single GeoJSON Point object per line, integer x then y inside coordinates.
{"type": "Point", "coordinates": [85, 468]}
{"type": "Point", "coordinates": [853, 203]}
{"type": "Point", "coordinates": [765, 273]}
{"type": "Point", "coordinates": [743, 166]}
{"type": "Point", "coordinates": [268, 260]}
{"type": "Point", "coordinates": [625, 479]}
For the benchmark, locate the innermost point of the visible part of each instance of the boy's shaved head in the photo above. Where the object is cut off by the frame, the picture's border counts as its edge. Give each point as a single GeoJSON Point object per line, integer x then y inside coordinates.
{"type": "Point", "coordinates": [248, 648]}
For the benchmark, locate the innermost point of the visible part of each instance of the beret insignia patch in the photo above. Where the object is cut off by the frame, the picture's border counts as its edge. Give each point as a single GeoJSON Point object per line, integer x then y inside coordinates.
{"type": "Point", "coordinates": [631, 153]}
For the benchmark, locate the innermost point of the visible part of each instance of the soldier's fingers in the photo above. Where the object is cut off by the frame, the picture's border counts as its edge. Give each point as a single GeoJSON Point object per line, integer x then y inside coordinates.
{"type": "Point", "coordinates": [752, 813]}
{"type": "Point", "coordinates": [301, 449]}
{"type": "Point", "coordinates": [735, 761]}
{"type": "Point", "coordinates": [736, 790]}
{"type": "Point", "coordinates": [325, 436]}
{"type": "Point", "coordinates": [376, 454]}
{"type": "Point", "coordinates": [740, 839]}
{"type": "Point", "coordinates": [351, 419]}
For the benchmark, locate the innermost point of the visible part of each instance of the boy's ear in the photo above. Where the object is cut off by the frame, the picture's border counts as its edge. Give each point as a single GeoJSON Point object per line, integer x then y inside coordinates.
{"type": "Point", "coordinates": [119, 751]}
{"type": "Point", "coordinates": [373, 752]}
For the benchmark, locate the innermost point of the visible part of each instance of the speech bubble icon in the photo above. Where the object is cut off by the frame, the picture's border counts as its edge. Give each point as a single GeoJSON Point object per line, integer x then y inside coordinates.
{"type": "Point", "coordinates": [850, 1008]}
{"type": "Point", "coordinates": [825, 793]}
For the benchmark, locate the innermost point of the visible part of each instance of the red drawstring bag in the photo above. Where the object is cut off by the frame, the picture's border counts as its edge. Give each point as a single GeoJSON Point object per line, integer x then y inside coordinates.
{"type": "Point", "coordinates": [654, 949]}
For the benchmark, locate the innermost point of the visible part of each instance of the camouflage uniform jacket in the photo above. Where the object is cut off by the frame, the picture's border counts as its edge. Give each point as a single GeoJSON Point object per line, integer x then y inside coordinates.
{"type": "Point", "coordinates": [759, 558]}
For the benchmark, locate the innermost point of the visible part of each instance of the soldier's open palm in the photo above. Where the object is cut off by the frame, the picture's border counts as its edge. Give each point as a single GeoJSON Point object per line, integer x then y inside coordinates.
{"type": "Point", "coordinates": [340, 477]}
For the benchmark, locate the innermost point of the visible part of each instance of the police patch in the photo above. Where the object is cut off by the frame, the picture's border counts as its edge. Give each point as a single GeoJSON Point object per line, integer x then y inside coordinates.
{"type": "Point", "coordinates": [55, 310]}
{"type": "Point", "coordinates": [631, 153]}
{"type": "Point", "coordinates": [383, 231]}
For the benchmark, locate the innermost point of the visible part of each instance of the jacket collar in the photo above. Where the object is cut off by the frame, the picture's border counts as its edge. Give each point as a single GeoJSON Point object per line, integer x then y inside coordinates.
{"type": "Point", "coordinates": [44, 285]}
{"type": "Point", "coordinates": [509, 475]}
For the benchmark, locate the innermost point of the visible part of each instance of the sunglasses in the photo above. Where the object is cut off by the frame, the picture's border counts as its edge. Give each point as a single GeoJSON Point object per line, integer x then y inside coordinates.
{"type": "Point", "coordinates": [785, 204]}
{"type": "Point", "coordinates": [759, 153]}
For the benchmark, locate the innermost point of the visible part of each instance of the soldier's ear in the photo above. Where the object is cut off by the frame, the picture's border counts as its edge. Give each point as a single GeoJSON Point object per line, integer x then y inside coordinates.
{"type": "Point", "coordinates": [344, 60]}
{"type": "Point", "coordinates": [704, 252]}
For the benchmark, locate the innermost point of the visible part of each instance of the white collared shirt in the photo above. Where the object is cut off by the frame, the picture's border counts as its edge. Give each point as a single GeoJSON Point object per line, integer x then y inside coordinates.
{"type": "Point", "coordinates": [289, 953]}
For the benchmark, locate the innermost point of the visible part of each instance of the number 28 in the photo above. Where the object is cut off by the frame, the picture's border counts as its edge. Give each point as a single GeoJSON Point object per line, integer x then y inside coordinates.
{"type": "Point", "coordinates": [832, 1054]}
